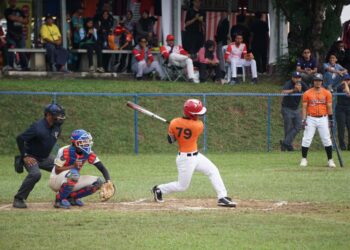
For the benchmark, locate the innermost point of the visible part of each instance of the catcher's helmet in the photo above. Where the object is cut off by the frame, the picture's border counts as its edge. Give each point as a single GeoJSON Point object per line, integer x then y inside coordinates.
{"type": "Point", "coordinates": [193, 108]}
{"type": "Point", "coordinates": [82, 140]}
{"type": "Point", "coordinates": [55, 110]}
{"type": "Point", "coordinates": [317, 77]}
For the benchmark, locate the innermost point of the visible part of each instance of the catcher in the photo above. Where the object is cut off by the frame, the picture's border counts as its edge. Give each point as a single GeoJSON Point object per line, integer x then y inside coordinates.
{"type": "Point", "coordinates": [65, 177]}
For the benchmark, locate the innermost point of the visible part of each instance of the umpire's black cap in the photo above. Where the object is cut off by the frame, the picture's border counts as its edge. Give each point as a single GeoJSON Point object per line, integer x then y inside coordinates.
{"type": "Point", "coordinates": [55, 110]}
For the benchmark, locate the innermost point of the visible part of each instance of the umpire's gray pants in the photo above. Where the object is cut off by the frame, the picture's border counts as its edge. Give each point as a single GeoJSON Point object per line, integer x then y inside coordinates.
{"type": "Point", "coordinates": [33, 177]}
{"type": "Point", "coordinates": [292, 124]}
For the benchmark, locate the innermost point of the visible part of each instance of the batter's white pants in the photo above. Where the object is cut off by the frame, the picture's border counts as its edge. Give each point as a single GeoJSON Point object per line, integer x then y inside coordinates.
{"type": "Point", "coordinates": [182, 61]}
{"type": "Point", "coordinates": [141, 68]}
{"type": "Point", "coordinates": [238, 62]}
{"type": "Point", "coordinates": [321, 124]}
{"type": "Point", "coordinates": [56, 181]}
{"type": "Point", "coordinates": [186, 165]}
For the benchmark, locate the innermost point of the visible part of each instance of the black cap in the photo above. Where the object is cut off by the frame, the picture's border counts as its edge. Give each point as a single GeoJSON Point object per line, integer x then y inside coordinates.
{"type": "Point", "coordinates": [55, 110]}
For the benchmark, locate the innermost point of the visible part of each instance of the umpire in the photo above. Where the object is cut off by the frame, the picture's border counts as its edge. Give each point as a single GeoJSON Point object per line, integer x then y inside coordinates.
{"type": "Point", "coordinates": [290, 110]}
{"type": "Point", "coordinates": [35, 145]}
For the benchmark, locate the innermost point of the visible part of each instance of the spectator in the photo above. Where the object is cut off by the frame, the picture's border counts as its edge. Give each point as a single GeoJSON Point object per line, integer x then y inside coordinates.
{"type": "Point", "coordinates": [307, 66]}
{"type": "Point", "coordinates": [15, 19]}
{"type": "Point", "coordinates": [240, 28]}
{"type": "Point", "coordinates": [338, 49]}
{"type": "Point", "coordinates": [35, 146]}
{"type": "Point", "coordinates": [195, 28]}
{"type": "Point", "coordinates": [120, 39]}
{"type": "Point", "coordinates": [89, 41]}
{"type": "Point", "coordinates": [221, 38]}
{"type": "Point", "coordinates": [236, 55]}
{"type": "Point", "coordinates": [346, 34]}
{"type": "Point", "coordinates": [56, 55]}
{"type": "Point", "coordinates": [129, 24]}
{"type": "Point", "coordinates": [105, 25]}
{"type": "Point", "coordinates": [208, 62]}
{"type": "Point", "coordinates": [333, 73]}
{"type": "Point", "coordinates": [2, 47]}
{"type": "Point", "coordinates": [144, 28]}
{"type": "Point", "coordinates": [143, 62]}
{"type": "Point", "coordinates": [176, 55]}
{"type": "Point", "coordinates": [342, 111]}
{"type": "Point", "coordinates": [77, 24]}
{"type": "Point", "coordinates": [259, 42]}
{"type": "Point", "coordinates": [290, 110]}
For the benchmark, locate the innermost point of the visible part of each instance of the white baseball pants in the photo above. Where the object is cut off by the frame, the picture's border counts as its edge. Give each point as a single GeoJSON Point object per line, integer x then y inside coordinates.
{"type": "Point", "coordinates": [321, 124]}
{"type": "Point", "coordinates": [56, 181]}
{"type": "Point", "coordinates": [238, 62]}
{"type": "Point", "coordinates": [182, 61]}
{"type": "Point", "coordinates": [142, 68]}
{"type": "Point", "coordinates": [186, 165]}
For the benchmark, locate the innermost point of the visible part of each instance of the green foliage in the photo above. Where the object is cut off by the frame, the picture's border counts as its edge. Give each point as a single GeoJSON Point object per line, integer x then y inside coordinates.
{"type": "Point", "coordinates": [331, 29]}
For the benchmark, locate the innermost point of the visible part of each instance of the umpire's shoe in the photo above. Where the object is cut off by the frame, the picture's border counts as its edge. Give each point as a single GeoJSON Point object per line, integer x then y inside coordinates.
{"type": "Point", "coordinates": [19, 203]}
{"type": "Point", "coordinates": [226, 202]}
{"type": "Point", "coordinates": [158, 196]}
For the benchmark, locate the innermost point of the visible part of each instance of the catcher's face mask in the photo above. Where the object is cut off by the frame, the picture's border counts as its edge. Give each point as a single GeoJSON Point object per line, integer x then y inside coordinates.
{"type": "Point", "coordinates": [82, 140]}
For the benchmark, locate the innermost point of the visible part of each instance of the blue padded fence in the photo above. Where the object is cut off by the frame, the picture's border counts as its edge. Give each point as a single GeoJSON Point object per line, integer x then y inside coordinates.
{"type": "Point", "coordinates": [137, 95]}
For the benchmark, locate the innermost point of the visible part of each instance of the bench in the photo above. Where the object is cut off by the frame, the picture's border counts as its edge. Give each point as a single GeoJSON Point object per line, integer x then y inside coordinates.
{"type": "Point", "coordinates": [37, 57]}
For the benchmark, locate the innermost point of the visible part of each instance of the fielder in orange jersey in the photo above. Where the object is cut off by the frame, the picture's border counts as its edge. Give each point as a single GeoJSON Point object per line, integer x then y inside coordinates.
{"type": "Point", "coordinates": [186, 130]}
{"type": "Point", "coordinates": [317, 113]}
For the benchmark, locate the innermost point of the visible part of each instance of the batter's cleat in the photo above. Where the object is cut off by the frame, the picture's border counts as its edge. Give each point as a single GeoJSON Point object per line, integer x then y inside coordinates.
{"type": "Point", "coordinates": [331, 163]}
{"type": "Point", "coordinates": [226, 202]}
{"type": "Point", "coordinates": [76, 202]}
{"type": "Point", "coordinates": [157, 194]}
{"type": "Point", "coordinates": [303, 162]}
{"type": "Point", "coordinates": [19, 203]}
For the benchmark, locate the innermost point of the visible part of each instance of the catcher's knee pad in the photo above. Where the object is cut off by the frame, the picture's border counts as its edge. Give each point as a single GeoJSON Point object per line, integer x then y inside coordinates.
{"type": "Point", "coordinates": [98, 183]}
{"type": "Point", "coordinates": [73, 175]}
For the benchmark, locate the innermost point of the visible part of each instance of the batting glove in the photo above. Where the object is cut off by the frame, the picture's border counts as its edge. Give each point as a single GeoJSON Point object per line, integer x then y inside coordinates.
{"type": "Point", "coordinates": [303, 124]}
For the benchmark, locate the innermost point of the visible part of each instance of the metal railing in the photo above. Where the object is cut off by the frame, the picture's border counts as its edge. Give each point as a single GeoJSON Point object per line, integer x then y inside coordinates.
{"type": "Point", "coordinates": [135, 97]}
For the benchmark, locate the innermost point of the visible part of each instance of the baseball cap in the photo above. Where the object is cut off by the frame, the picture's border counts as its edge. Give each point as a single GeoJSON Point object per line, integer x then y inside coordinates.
{"type": "Point", "coordinates": [170, 37]}
{"type": "Point", "coordinates": [346, 77]}
{"type": "Point", "coordinates": [296, 74]}
{"type": "Point", "coordinates": [317, 77]}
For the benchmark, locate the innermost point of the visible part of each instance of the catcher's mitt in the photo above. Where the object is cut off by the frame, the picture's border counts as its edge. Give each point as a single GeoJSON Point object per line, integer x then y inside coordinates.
{"type": "Point", "coordinates": [107, 191]}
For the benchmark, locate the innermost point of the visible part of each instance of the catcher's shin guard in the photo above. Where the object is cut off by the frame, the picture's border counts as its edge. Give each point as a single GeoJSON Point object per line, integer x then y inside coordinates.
{"type": "Point", "coordinates": [88, 190]}
{"type": "Point", "coordinates": [67, 188]}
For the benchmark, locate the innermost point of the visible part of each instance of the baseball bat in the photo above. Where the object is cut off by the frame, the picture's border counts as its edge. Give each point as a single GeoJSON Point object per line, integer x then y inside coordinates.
{"type": "Point", "coordinates": [336, 148]}
{"type": "Point", "coordinates": [134, 106]}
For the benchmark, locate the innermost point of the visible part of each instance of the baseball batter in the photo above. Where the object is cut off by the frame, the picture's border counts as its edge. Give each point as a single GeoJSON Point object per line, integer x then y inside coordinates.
{"type": "Point", "coordinates": [317, 114]}
{"type": "Point", "coordinates": [65, 177]}
{"type": "Point", "coordinates": [186, 130]}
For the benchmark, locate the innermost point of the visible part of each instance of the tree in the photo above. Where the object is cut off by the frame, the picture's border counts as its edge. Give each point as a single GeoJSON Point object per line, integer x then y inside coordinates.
{"type": "Point", "coordinates": [313, 24]}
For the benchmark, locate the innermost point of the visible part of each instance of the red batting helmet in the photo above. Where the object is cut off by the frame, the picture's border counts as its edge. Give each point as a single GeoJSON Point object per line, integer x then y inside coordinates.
{"type": "Point", "coordinates": [193, 108]}
{"type": "Point", "coordinates": [170, 37]}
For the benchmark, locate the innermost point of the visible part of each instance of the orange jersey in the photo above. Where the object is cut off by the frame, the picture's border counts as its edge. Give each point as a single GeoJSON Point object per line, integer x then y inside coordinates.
{"type": "Point", "coordinates": [186, 132]}
{"type": "Point", "coordinates": [317, 101]}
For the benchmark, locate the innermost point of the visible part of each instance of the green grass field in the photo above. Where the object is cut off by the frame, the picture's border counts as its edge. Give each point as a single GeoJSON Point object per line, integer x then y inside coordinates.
{"type": "Point", "coordinates": [280, 205]}
{"type": "Point", "coordinates": [315, 210]}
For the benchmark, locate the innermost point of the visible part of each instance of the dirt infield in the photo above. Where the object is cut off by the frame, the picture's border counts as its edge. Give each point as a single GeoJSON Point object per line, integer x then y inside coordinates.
{"type": "Point", "coordinates": [190, 205]}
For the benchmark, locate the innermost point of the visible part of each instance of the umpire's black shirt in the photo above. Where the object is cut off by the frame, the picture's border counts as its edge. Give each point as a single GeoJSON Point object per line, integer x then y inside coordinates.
{"type": "Point", "coordinates": [290, 101]}
{"type": "Point", "coordinates": [343, 101]}
{"type": "Point", "coordinates": [38, 140]}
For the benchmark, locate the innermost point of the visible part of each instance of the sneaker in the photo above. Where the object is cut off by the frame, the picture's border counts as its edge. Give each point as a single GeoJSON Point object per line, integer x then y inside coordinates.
{"type": "Point", "coordinates": [303, 162]}
{"type": "Point", "coordinates": [76, 202]}
{"type": "Point", "coordinates": [92, 69]}
{"type": "Point", "coordinates": [64, 203]}
{"type": "Point", "coordinates": [226, 202]}
{"type": "Point", "coordinates": [19, 203]}
{"type": "Point", "coordinates": [283, 146]}
{"type": "Point", "coordinates": [139, 78]}
{"type": "Point", "coordinates": [100, 70]}
{"type": "Point", "coordinates": [255, 80]}
{"type": "Point", "coordinates": [233, 81]}
{"type": "Point", "coordinates": [331, 163]}
{"type": "Point", "coordinates": [158, 196]}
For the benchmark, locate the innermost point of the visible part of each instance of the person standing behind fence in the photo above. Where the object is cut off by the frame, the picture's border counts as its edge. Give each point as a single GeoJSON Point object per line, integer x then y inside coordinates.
{"type": "Point", "coordinates": [221, 38]}
{"type": "Point", "coordinates": [259, 42]}
{"type": "Point", "coordinates": [290, 110]}
{"type": "Point", "coordinates": [16, 20]}
{"type": "Point", "coordinates": [56, 55]}
{"type": "Point", "coordinates": [35, 146]}
{"type": "Point", "coordinates": [317, 113]}
{"type": "Point", "coordinates": [89, 41]}
{"type": "Point", "coordinates": [143, 61]}
{"type": "Point", "coordinates": [342, 111]}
